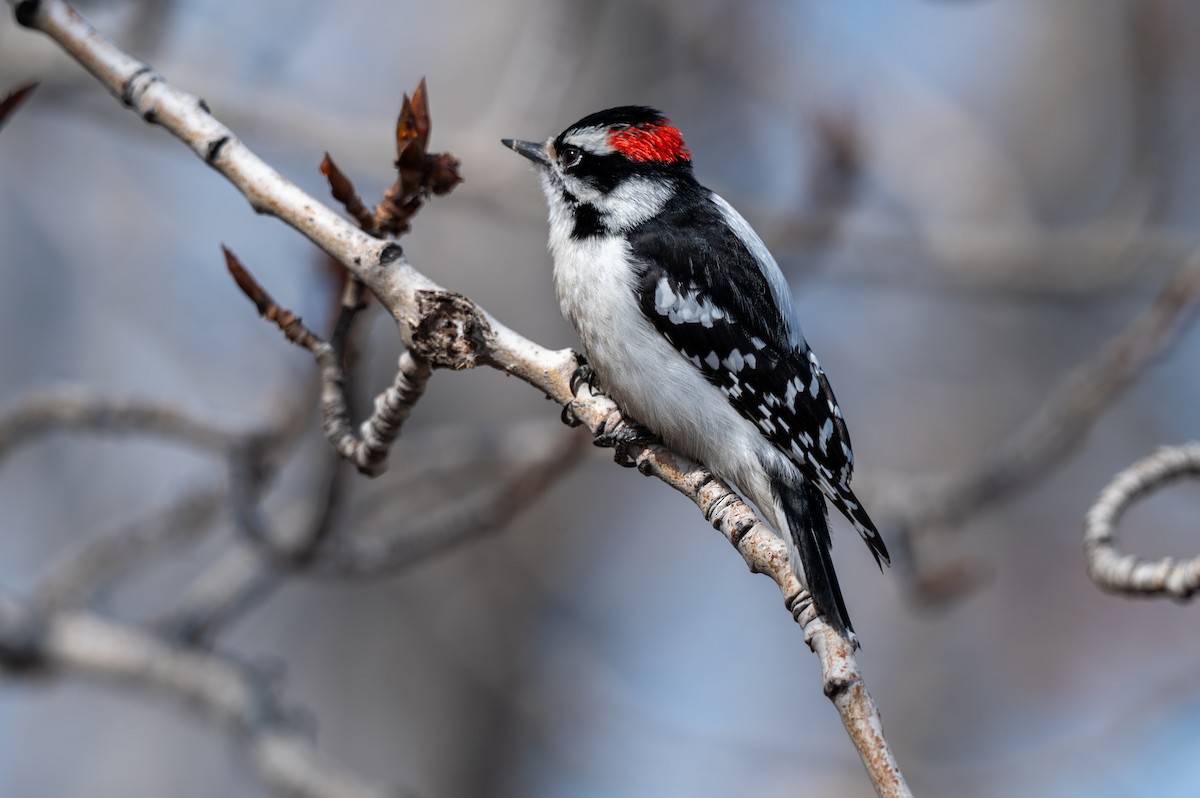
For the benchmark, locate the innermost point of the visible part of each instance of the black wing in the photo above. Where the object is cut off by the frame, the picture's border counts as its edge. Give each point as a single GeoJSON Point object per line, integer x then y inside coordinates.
{"type": "Point", "coordinates": [727, 322]}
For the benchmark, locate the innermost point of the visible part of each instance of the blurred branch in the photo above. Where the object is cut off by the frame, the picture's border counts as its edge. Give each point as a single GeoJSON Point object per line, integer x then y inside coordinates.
{"type": "Point", "coordinates": [1130, 574]}
{"type": "Point", "coordinates": [83, 571]}
{"type": "Point", "coordinates": [447, 330]}
{"type": "Point", "coordinates": [215, 688]}
{"type": "Point", "coordinates": [405, 547]}
{"type": "Point", "coordinates": [1060, 424]}
{"type": "Point", "coordinates": [248, 573]}
{"type": "Point", "coordinates": [43, 412]}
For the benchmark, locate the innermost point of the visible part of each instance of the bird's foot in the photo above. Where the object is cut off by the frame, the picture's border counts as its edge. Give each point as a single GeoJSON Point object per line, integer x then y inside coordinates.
{"type": "Point", "coordinates": [583, 375]}
{"type": "Point", "coordinates": [621, 435]}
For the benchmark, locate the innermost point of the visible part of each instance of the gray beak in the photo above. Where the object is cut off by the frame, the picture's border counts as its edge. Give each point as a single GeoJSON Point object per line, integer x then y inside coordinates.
{"type": "Point", "coordinates": [530, 149]}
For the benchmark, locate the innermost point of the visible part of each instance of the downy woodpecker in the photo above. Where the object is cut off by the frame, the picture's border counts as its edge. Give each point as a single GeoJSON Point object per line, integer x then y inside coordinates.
{"type": "Point", "coordinates": [687, 323]}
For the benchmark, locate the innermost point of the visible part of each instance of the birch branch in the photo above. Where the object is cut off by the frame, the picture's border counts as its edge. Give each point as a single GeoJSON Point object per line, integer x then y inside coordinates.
{"type": "Point", "coordinates": [447, 330]}
{"type": "Point", "coordinates": [1130, 574]}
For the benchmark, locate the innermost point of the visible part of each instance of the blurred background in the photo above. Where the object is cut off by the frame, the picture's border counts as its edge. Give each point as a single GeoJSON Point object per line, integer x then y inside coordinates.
{"type": "Point", "coordinates": [968, 198]}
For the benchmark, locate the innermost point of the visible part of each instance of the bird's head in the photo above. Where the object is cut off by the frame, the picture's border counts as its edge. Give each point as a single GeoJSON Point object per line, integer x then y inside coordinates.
{"type": "Point", "coordinates": [619, 166]}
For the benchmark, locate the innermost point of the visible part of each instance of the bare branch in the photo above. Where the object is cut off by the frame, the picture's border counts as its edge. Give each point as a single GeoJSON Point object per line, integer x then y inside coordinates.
{"type": "Point", "coordinates": [84, 570]}
{"type": "Point", "coordinates": [442, 328]}
{"type": "Point", "coordinates": [257, 565]}
{"type": "Point", "coordinates": [766, 553]}
{"type": "Point", "coordinates": [215, 688]}
{"type": "Point", "coordinates": [369, 448]}
{"type": "Point", "coordinates": [240, 579]}
{"type": "Point", "coordinates": [1128, 573]}
{"type": "Point", "coordinates": [844, 686]}
{"type": "Point", "coordinates": [42, 412]}
{"type": "Point", "coordinates": [407, 547]}
{"type": "Point", "coordinates": [1063, 420]}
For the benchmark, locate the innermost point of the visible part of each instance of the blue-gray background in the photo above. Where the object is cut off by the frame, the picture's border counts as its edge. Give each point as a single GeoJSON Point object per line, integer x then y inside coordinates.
{"type": "Point", "coordinates": [1027, 183]}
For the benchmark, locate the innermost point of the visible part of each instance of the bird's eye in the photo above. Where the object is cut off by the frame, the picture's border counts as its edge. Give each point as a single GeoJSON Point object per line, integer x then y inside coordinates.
{"type": "Point", "coordinates": [570, 157]}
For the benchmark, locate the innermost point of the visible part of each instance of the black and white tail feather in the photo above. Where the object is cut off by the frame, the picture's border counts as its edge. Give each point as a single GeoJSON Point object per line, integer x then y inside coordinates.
{"type": "Point", "coordinates": [689, 325]}
{"type": "Point", "coordinates": [809, 542]}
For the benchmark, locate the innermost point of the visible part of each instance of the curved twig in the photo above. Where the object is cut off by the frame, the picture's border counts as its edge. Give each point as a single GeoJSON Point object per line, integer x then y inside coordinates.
{"type": "Point", "coordinates": [1130, 574]}
{"type": "Point", "coordinates": [1057, 427]}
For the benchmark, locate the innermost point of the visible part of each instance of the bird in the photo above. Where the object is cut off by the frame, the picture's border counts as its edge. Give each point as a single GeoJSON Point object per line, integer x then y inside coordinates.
{"type": "Point", "coordinates": [688, 324]}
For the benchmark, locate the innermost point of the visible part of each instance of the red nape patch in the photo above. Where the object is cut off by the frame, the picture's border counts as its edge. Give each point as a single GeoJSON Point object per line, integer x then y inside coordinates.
{"type": "Point", "coordinates": [650, 142]}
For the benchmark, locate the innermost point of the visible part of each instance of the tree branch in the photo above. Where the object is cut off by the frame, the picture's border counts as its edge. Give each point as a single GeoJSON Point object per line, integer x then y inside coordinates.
{"type": "Point", "coordinates": [1063, 419]}
{"type": "Point", "coordinates": [1130, 574]}
{"type": "Point", "coordinates": [447, 330]}
{"type": "Point", "coordinates": [43, 412]}
{"type": "Point", "coordinates": [71, 580]}
{"type": "Point", "coordinates": [216, 688]}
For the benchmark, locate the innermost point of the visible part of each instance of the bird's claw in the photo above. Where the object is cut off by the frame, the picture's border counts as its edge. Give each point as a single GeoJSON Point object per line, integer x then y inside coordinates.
{"type": "Point", "coordinates": [583, 374]}
{"type": "Point", "coordinates": [620, 436]}
{"type": "Point", "coordinates": [568, 416]}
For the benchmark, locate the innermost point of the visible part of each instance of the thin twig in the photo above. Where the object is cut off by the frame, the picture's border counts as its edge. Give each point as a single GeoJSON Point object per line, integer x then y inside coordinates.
{"type": "Point", "coordinates": [369, 447]}
{"type": "Point", "coordinates": [1130, 574]}
{"type": "Point", "coordinates": [43, 412]}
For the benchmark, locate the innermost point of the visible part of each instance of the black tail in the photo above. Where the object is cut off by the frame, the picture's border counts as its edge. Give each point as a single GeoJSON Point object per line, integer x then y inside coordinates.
{"type": "Point", "coordinates": [808, 523]}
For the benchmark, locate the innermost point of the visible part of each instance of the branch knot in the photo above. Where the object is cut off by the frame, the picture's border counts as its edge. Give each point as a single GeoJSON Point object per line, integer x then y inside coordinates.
{"type": "Point", "coordinates": [450, 330]}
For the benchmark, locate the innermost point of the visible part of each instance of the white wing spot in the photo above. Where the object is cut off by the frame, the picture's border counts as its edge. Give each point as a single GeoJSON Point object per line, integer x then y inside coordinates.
{"type": "Point", "coordinates": [758, 342]}
{"type": "Point", "coordinates": [815, 386]}
{"type": "Point", "coordinates": [664, 297]}
{"type": "Point", "coordinates": [712, 360]}
{"type": "Point", "coordinates": [750, 359]}
{"type": "Point", "coordinates": [734, 362]}
{"type": "Point", "coordinates": [685, 307]}
{"type": "Point", "coordinates": [826, 433]}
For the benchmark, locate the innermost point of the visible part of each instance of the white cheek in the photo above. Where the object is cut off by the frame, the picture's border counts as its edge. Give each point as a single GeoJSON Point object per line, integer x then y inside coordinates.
{"type": "Point", "coordinates": [579, 189]}
{"type": "Point", "coordinates": [632, 202]}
